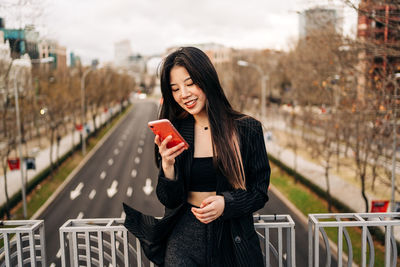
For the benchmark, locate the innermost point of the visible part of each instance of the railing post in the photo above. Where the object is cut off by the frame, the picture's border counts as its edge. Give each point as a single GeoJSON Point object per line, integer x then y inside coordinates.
{"type": "Point", "coordinates": [387, 245]}
{"type": "Point", "coordinates": [364, 246]}
{"type": "Point", "coordinates": [316, 245]}
{"type": "Point", "coordinates": [43, 244]}
{"type": "Point", "coordinates": [310, 242]}
{"type": "Point", "coordinates": [266, 244]}
{"type": "Point", "coordinates": [62, 249]}
{"type": "Point", "coordinates": [340, 246]}
{"type": "Point", "coordinates": [32, 249]}
{"type": "Point", "coordinates": [19, 249]}
{"type": "Point", "coordinates": [280, 254]}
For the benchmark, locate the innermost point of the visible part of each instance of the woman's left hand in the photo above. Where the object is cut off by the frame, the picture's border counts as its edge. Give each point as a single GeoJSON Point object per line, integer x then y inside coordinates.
{"type": "Point", "coordinates": [210, 209]}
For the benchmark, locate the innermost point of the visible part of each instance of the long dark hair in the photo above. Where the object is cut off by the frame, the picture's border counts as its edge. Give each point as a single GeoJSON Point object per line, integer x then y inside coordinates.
{"type": "Point", "coordinates": [225, 138]}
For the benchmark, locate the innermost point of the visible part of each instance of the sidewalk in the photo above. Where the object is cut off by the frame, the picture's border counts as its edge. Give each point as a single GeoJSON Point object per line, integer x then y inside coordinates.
{"type": "Point", "coordinates": [340, 189]}
{"type": "Point", "coordinates": [43, 157]}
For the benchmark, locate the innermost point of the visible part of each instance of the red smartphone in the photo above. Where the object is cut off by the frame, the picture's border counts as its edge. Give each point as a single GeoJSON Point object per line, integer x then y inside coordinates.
{"type": "Point", "coordinates": [163, 128]}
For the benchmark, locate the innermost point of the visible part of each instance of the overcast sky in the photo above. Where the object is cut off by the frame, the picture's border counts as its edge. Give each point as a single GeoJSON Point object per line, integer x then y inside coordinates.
{"type": "Point", "coordinates": [91, 27]}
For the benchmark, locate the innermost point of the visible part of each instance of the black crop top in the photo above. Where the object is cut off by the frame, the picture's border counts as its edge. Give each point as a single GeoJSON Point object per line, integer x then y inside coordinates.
{"type": "Point", "coordinates": [203, 177]}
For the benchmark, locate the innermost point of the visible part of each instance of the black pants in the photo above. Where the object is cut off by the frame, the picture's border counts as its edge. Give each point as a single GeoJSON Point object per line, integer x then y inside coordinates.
{"type": "Point", "coordinates": [190, 242]}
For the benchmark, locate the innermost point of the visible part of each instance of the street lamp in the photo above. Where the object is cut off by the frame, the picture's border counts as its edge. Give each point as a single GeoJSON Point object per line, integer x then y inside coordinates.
{"type": "Point", "coordinates": [85, 73]}
{"type": "Point", "coordinates": [264, 78]}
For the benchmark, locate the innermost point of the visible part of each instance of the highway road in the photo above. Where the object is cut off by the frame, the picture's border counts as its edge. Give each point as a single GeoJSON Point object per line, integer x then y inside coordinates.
{"type": "Point", "coordinates": [118, 172]}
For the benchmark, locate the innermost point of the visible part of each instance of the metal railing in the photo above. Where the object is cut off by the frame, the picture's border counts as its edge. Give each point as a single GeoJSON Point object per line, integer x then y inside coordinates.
{"type": "Point", "coordinates": [105, 242]}
{"type": "Point", "coordinates": [364, 221]}
{"type": "Point", "coordinates": [281, 229]}
{"type": "Point", "coordinates": [102, 242]}
{"type": "Point", "coordinates": [98, 242]}
{"type": "Point", "coordinates": [23, 243]}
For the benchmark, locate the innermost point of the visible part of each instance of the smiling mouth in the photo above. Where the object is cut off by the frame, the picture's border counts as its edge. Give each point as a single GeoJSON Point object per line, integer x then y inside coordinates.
{"type": "Point", "coordinates": [191, 103]}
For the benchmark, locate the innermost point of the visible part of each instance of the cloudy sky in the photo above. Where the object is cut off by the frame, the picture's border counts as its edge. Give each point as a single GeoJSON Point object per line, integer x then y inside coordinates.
{"type": "Point", "coordinates": [91, 27]}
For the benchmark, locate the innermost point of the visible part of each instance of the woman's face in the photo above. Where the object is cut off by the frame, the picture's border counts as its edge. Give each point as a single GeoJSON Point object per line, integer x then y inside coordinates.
{"type": "Point", "coordinates": [187, 94]}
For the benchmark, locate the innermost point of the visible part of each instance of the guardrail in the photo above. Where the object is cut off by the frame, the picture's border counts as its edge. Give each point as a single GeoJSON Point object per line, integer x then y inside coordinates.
{"type": "Point", "coordinates": [23, 243]}
{"type": "Point", "coordinates": [341, 221]}
{"type": "Point", "coordinates": [102, 242]}
{"type": "Point", "coordinates": [105, 242]}
{"type": "Point", "coordinates": [283, 225]}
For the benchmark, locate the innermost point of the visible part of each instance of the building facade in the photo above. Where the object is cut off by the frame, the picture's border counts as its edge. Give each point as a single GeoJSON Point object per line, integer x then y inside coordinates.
{"type": "Point", "coordinates": [319, 19]}
{"type": "Point", "coordinates": [379, 26]}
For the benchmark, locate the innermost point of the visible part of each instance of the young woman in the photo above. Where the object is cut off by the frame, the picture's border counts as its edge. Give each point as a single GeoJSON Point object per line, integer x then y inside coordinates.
{"type": "Point", "coordinates": [211, 189]}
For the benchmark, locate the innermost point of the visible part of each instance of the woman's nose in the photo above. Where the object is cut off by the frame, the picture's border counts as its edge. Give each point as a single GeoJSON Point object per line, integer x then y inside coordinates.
{"type": "Point", "coordinates": [185, 92]}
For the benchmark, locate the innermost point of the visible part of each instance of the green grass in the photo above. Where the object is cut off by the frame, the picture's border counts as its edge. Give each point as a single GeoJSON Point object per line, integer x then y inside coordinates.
{"type": "Point", "coordinates": [308, 202]}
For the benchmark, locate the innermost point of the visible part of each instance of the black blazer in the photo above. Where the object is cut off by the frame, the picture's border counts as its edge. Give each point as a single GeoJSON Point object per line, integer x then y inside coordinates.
{"type": "Point", "coordinates": [236, 242]}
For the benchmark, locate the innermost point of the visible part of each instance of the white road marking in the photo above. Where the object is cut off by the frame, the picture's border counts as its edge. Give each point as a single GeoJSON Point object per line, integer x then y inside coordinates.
{"type": "Point", "coordinates": [123, 215]}
{"type": "Point", "coordinates": [103, 175]}
{"type": "Point", "coordinates": [113, 189]}
{"type": "Point", "coordinates": [129, 191]}
{"type": "Point", "coordinates": [110, 162]}
{"type": "Point", "coordinates": [120, 143]}
{"type": "Point", "coordinates": [134, 173]}
{"type": "Point", "coordinates": [116, 151]}
{"type": "Point", "coordinates": [92, 194]}
{"type": "Point", "coordinates": [141, 143]}
{"type": "Point", "coordinates": [140, 150]}
{"type": "Point", "coordinates": [137, 160]}
{"type": "Point", "coordinates": [52, 264]}
{"type": "Point", "coordinates": [58, 253]}
{"type": "Point", "coordinates": [80, 215]}
{"type": "Point", "coordinates": [147, 189]}
{"type": "Point", "coordinates": [76, 192]}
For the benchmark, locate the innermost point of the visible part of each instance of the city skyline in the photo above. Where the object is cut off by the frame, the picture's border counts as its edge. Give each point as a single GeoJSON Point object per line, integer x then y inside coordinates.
{"type": "Point", "coordinates": [91, 28]}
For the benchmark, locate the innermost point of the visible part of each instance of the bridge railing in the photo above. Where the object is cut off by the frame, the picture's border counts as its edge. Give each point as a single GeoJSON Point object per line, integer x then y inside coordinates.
{"type": "Point", "coordinates": [317, 223]}
{"type": "Point", "coordinates": [277, 235]}
{"type": "Point", "coordinates": [22, 243]}
{"type": "Point", "coordinates": [106, 242]}
{"type": "Point", "coordinates": [102, 242]}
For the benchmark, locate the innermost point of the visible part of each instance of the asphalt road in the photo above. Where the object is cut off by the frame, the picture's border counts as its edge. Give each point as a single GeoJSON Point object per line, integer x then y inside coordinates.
{"type": "Point", "coordinates": [117, 173]}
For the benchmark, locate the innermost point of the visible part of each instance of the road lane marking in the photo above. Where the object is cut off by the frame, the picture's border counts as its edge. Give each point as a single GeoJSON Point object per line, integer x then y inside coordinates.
{"type": "Point", "coordinates": [147, 189]}
{"type": "Point", "coordinates": [140, 150]}
{"type": "Point", "coordinates": [129, 191]}
{"type": "Point", "coordinates": [58, 253]}
{"type": "Point", "coordinates": [134, 173]}
{"type": "Point", "coordinates": [92, 194]}
{"type": "Point", "coordinates": [76, 192]}
{"type": "Point", "coordinates": [120, 143]}
{"type": "Point", "coordinates": [80, 215]}
{"type": "Point", "coordinates": [103, 175]}
{"type": "Point", "coordinates": [110, 162]}
{"type": "Point", "coordinates": [52, 264]}
{"type": "Point", "coordinates": [141, 143]}
{"type": "Point", "coordinates": [137, 160]}
{"type": "Point", "coordinates": [113, 189]}
{"type": "Point", "coordinates": [116, 151]}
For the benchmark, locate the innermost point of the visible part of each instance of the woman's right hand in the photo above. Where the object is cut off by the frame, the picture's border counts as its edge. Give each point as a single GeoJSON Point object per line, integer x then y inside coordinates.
{"type": "Point", "coordinates": [168, 155]}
